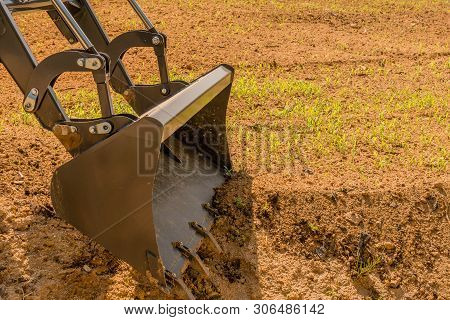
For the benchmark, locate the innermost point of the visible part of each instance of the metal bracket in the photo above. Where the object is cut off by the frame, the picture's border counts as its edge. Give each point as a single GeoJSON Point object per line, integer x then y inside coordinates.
{"type": "Point", "coordinates": [207, 235]}
{"type": "Point", "coordinates": [90, 63]}
{"type": "Point", "coordinates": [141, 39]}
{"type": "Point", "coordinates": [31, 100]}
{"type": "Point", "coordinates": [195, 260]}
{"type": "Point", "coordinates": [68, 135]}
{"type": "Point", "coordinates": [65, 130]}
{"type": "Point", "coordinates": [76, 135]}
{"type": "Point", "coordinates": [45, 73]}
{"type": "Point", "coordinates": [101, 128]}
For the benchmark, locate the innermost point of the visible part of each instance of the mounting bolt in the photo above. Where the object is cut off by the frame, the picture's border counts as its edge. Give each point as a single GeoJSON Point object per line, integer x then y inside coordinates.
{"type": "Point", "coordinates": [156, 40]}
{"type": "Point", "coordinates": [164, 91]}
{"type": "Point", "coordinates": [64, 130]}
{"type": "Point", "coordinates": [89, 63]}
{"type": "Point", "coordinates": [101, 128]}
{"type": "Point", "coordinates": [28, 107]}
{"type": "Point", "coordinates": [30, 100]}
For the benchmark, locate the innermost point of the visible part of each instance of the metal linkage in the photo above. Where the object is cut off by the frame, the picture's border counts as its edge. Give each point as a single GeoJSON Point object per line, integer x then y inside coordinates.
{"type": "Point", "coordinates": [141, 39]}
{"type": "Point", "coordinates": [141, 97]}
{"type": "Point", "coordinates": [46, 73]}
{"type": "Point", "coordinates": [18, 59]}
{"type": "Point", "coordinates": [158, 41]}
{"type": "Point", "coordinates": [36, 80]}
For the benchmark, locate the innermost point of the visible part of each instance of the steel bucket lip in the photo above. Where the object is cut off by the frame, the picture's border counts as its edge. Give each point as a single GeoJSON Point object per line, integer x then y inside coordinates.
{"type": "Point", "coordinates": [173, 113]}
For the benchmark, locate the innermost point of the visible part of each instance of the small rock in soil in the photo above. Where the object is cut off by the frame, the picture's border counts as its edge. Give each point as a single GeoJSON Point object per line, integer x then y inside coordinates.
{"type": "Point", "coordinates": [86, 268]}
{"type": "Point", "coordinates": [432, 203]}
{"type": "Point", "coordinates": [395, 282]}
{"type": "Point", "coordinates": [334, 197]}
{"type": "Point", "coordinates": [44, 210]}
{"type": "Point", "coordinates": [317, 267]}
{"type": "Point", "coordinates": [389, 246]}
{"type": "Point", "coordinates": [440, 187]}
{"type": "Point", "coordinates": [274, 200]}
{"type": "Point", "coordinates": [24, 278]}
{"type": "Point", "coordinates": [321, 252]}
{"type": "Point", "coordinates": [393, 204]}
{"type": "Point", "coordinates": [353, 218]}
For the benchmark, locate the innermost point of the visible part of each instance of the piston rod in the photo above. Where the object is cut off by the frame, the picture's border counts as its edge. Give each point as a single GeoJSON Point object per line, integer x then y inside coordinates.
{"type": "Point", "coordinates": [137, 8]}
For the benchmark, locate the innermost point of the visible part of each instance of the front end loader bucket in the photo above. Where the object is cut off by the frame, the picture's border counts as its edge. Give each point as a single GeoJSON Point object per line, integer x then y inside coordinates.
{"type": "Point", "coordinates": [141, 192]}
{"type": "Point", "coordinates": [136, 185]}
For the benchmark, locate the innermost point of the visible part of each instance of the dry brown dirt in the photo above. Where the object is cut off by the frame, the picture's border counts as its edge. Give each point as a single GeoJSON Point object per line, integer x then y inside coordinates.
{"type": "Point", "coordinates": [318, 231]}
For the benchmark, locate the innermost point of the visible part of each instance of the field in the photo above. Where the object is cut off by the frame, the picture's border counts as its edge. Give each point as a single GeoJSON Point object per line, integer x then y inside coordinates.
{"type": "Point", "coordinates": [339, 133]}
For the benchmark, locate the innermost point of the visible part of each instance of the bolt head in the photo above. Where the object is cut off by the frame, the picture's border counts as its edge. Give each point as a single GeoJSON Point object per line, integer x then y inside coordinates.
{"type": "Point", "coordinates": [34, 92]}
{"type": "Point", "coordinates": [164, 91]}
{"type": "Point", "coordinates": [156, 40]}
